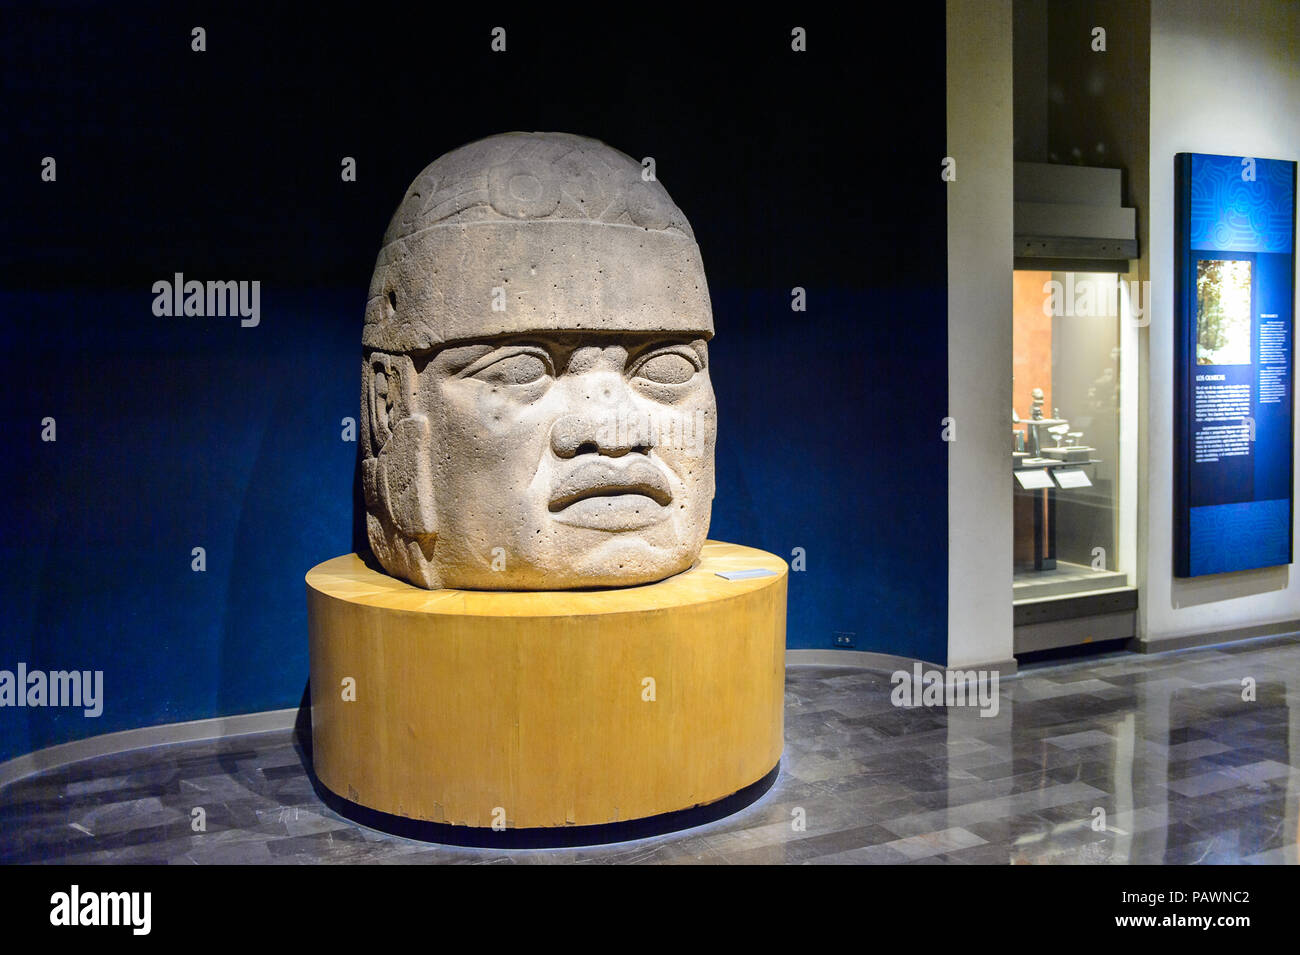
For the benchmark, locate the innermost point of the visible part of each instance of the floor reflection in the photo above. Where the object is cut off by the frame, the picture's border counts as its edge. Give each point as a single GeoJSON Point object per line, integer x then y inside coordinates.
{"type": "Point", "coordinates": [1185, 757]}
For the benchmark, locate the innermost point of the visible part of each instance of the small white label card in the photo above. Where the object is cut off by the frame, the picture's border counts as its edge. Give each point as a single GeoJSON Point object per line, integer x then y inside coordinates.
{"type": "Point", "coordinates": [746, 574]}
{"type": "Point", "coordinates": [1072, 477]}
{"type": "Point", "coordinates": [1035, 479]}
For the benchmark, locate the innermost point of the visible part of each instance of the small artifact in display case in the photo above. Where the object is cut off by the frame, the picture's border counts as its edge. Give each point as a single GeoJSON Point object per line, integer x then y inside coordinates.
{"type": "Point", "coordinates": [1073, 455]}
{"type": "Point", "coordinates": [1039, 434]}
{"type": "Point", "coordinates": [1047, 441]}
{"type": "Point", "coordinates": [1068, 447]}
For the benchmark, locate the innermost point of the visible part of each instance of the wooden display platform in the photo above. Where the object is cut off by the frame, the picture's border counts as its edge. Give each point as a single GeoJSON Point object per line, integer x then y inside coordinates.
{"type": "Point", "coordinates": [547, 709]}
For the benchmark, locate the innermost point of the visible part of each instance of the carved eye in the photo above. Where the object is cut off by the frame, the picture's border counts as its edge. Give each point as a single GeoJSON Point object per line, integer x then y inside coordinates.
{"type": "Point", "coordinates": [521, 368]}
{"type": "Point", "coordinates": [667, 368]}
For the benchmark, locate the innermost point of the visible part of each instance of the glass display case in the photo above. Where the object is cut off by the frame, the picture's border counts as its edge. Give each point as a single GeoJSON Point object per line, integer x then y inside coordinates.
{"type": "Point", "coordinates": [1070, 443]}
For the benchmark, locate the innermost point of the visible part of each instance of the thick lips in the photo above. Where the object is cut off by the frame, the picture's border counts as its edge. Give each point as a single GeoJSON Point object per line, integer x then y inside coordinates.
{"type": "Point", "coordinates": [604, 478]}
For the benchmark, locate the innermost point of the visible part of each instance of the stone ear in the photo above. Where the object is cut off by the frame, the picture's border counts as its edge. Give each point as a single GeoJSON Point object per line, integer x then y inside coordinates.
{"type": "Point", "coordinates": [404, 477]}
{"type": "Point", "coordinates": [399, 477]}
{"type": "Point", "coordinates": [380, 398]}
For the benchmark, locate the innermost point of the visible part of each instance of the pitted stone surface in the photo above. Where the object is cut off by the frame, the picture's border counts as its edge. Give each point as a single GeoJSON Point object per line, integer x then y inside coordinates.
{"type": "Point", "coordinates": [567, 227]}
{"type": "Point", "coordinates": [536, 404]}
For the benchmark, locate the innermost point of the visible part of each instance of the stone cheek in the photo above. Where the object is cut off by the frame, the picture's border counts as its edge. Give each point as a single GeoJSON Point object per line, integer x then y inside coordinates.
{"type": "Point", "coordinates": [536, 399]}
{"type": "Point", "coordinates": [572, 487]}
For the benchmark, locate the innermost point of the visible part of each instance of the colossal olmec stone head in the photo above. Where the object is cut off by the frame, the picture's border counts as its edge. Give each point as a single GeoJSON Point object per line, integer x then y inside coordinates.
{"type": "Point", "coordinates": [536, 405]}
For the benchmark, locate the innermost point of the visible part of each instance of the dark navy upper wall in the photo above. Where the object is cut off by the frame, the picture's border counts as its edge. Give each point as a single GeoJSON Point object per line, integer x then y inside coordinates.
{"type": "Point", "coordinates": [817, 170]}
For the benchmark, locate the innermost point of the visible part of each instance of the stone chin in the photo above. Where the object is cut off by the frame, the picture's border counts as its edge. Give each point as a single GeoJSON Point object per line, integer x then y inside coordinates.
{"type": "Point", "coordinates": [569, 558]}
{"type": "Point", "coordinates": [586, 558]}
{"type": "Point", "coordinates": [616, 563]}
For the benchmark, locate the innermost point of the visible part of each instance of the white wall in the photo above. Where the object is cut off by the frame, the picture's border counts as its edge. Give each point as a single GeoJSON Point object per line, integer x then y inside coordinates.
{"type": "Point", "coordinates": [1225, 78]}
{"type": "Point", "coordinates": [979, 331]}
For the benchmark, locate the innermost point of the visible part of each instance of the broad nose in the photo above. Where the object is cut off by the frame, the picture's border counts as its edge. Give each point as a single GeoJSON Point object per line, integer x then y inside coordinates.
{"type": "Point", "coordinates": [612, 426]}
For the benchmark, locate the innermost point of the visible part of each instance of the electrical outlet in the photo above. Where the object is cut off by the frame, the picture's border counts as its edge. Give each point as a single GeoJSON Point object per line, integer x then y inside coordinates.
{"type": "Point", "coordinates": [844, 639]}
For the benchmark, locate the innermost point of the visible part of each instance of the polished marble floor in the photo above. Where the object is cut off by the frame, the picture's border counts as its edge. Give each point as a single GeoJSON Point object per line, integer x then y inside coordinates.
{"type": "Point", "coordinates": [1183, 767]}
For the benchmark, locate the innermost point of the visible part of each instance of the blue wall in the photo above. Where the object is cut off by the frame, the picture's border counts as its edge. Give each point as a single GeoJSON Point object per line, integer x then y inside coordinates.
{"type": "Point", "coordinates": [829, 440]}
{"type": "Point", "coordinates": [170, 436]}
{"type": "Point", "coordinates": [175, 433]}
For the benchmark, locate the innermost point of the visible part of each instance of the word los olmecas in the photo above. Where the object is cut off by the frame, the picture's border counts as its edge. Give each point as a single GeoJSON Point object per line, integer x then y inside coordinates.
{"type": "Point", "coordinates": [179, 297]}
{"type": "Point", "coordinates": [103, 908]}
{"type": "Point", "coordinates": [84, 688]}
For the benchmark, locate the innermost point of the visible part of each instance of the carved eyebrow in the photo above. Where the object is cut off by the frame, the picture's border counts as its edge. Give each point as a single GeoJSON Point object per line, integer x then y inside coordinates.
{"type": "Point", "coordinates": [697, 347]}
{"type": "Point", "coordinates": [457, 358]}
{"type": "Point", "coordinates": [492, 355]}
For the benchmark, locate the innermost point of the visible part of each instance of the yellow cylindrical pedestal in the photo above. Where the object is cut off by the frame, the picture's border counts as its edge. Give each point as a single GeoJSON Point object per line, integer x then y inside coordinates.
{"type": "Point", "coordinates": [547, 709]}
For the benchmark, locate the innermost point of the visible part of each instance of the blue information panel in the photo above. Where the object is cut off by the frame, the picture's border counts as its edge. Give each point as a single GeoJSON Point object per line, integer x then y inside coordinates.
{"type": "Point", "coordinates": [1234, 355]}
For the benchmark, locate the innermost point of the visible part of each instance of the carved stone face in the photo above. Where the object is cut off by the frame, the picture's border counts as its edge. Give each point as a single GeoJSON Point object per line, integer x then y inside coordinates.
{"type": "Point", "coordinates": [549, 421]}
